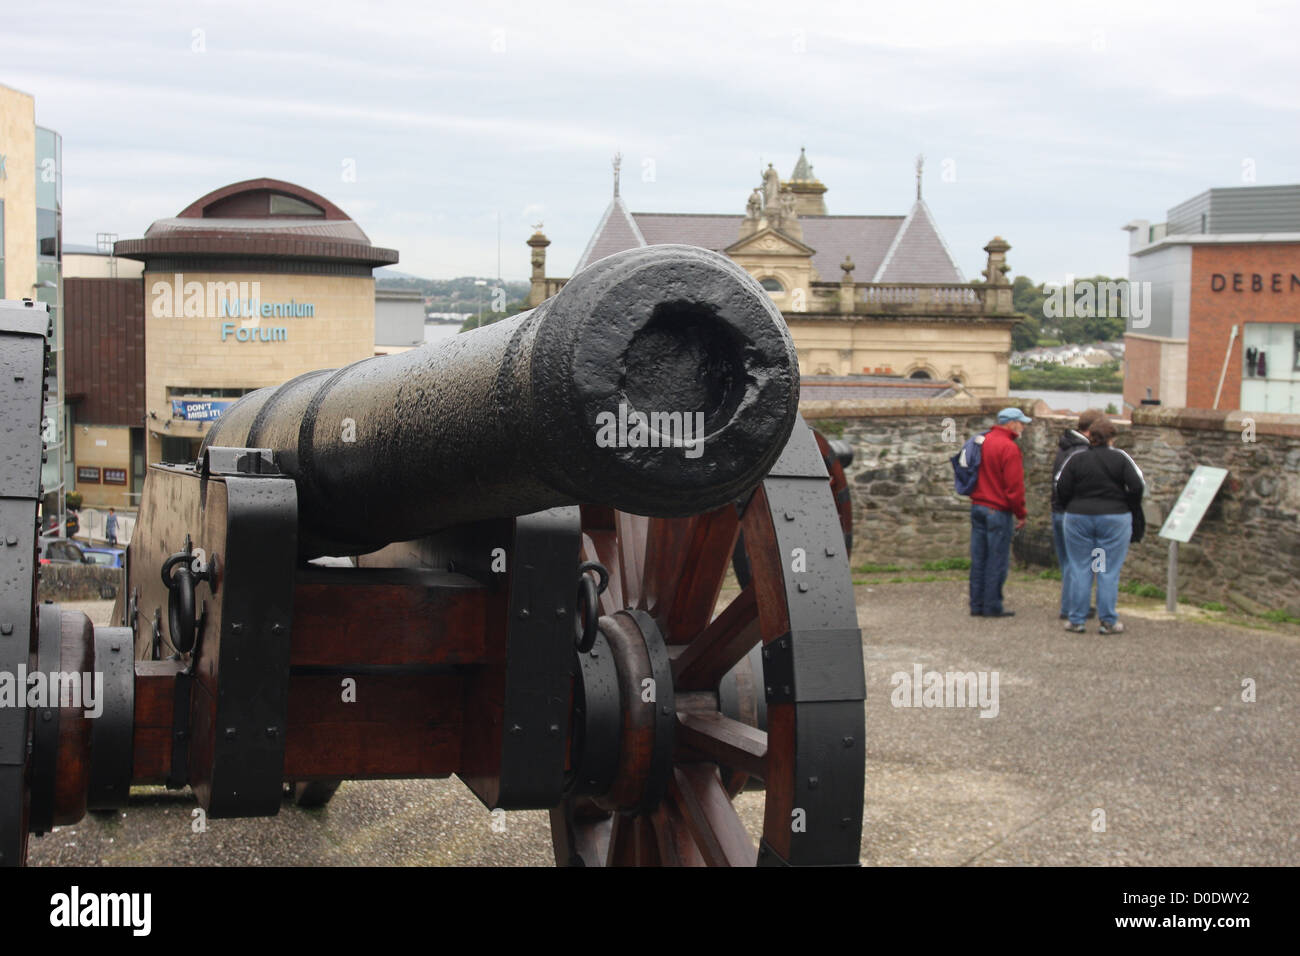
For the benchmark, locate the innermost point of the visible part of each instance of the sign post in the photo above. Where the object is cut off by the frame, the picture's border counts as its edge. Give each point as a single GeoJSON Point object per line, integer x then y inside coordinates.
{"type": "Point", "coordinates": [1184, 519]}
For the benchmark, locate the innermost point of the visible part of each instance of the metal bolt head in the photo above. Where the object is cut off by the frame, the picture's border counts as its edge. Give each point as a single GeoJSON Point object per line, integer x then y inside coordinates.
{"type": "Point", "coordinates": [11, 540]}
{"type": "Point", "coordinates": [523, 612]}
{"type": "Point", "coordinates": [803, 588]}
{"type": "Point", "coordinates": [230, 733]}
{"type": "Point", "coordinates": [6, 628]}
{"type": "Point", "coordinates": [277, 628]}
{"type": "Point", "coordinates": [236, 628]}
{"type": "Point", "coordinates": [812, 783]}
{"type": "Point", "coordinates": [847, 741]}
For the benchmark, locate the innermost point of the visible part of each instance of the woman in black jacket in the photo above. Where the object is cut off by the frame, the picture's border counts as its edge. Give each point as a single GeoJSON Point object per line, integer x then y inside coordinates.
{"type": "Point", "coordinates": [1099, 487]}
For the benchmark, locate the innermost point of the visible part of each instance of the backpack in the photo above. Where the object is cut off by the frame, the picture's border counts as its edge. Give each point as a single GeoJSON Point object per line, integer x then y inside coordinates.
{"type": "Point", "coordinates": [966, 464]}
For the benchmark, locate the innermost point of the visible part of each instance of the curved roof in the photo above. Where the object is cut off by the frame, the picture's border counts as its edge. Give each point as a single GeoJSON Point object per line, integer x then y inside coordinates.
{"type": "Point", "coordinates": [260, 218]}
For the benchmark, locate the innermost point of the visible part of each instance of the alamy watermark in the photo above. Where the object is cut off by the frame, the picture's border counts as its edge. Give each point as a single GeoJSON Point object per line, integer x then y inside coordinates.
{"type": "Point", "coordinates": [39, 690]}
{"type": "Point", "coordinates": [633, 429]}
{"type": "Point", "coordinates": [923, 688]}
{"type": "Point", "coordinates": [1087, 298]}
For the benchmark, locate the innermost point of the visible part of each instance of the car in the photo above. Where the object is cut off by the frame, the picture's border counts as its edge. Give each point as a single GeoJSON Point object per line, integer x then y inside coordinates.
{"type": "Point", "coordinates": [55, 550]}
{"type": "Point", "coordinates": [105, 557]}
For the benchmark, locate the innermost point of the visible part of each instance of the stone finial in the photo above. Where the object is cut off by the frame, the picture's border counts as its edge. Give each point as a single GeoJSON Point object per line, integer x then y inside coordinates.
{"type": "Point", "coordinates": [995, 272]}
{"type": "Point", "coordinates": [538, 243]}
{"type": "Point", "coordinates": [848, 290]}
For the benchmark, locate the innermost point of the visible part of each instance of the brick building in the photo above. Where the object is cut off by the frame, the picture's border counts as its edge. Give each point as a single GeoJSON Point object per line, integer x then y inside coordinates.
{"type": "Point", "coordinates": [1224, 326]}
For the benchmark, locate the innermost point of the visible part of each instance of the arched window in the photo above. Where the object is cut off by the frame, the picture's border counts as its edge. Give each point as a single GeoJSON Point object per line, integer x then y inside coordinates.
{"type": "Point", "coordinates": [920, 373]}
{"type": "Point", "coordinates": [771, 284]}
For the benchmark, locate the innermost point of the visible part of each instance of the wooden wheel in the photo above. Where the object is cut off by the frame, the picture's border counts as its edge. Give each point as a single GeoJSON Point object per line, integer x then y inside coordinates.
{"type": "Point", "coordinates": [687, 689]}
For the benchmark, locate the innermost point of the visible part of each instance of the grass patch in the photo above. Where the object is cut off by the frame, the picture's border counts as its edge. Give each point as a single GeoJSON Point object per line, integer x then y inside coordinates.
{"type": "Point", "coordinates": [878, 568]}
{"type": "Point", "coordinates": [1280, 617]}
{"type": "Point", "coordinates": [830, 427]}
{"type": "Point", "coordinates": [1051, 574]}
{"type": "Point", "coordinates": [947, 564]}
{"type": "Point", "coordinates": [1138, 589]}
{"type": "Point", "coordinates": [1213, 606]}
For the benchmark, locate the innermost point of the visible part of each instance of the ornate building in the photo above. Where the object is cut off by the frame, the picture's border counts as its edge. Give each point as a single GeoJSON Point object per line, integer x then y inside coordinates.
{"type": "Point", "coordinates": [914, 314]}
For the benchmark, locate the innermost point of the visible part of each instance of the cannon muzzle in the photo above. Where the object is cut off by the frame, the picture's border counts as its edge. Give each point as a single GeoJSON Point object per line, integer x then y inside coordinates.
{"type": "Point", "coordinates": [660, 381]}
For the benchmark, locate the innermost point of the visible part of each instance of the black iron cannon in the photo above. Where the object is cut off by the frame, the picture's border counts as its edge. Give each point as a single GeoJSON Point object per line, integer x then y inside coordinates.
{"type": "Point", "coordinates": [542, 515]}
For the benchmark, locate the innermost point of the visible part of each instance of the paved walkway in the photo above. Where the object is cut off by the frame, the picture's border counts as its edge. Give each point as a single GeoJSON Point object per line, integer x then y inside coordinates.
{"type": "Point", "coordinates": [1148, 727]}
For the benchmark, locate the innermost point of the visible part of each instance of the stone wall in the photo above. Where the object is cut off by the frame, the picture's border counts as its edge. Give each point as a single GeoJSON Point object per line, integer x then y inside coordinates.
{"type": "Point", "coordinates": [1246, 551]}
{"type": "Point", "coordinates": [78, 582]}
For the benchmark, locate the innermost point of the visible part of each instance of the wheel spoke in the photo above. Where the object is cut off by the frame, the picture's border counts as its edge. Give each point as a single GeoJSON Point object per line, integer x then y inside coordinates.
{"type": "Point", "coordinates": [710, 816]}
{"type": "Point", "coordinates": [721, 646]}
{"type": "Point", "coordinates": [676, 846]}
{"type": "Point", "coordinates": [726, 742]}
{"type": "Point", "coordinates": [633, 531]}
{"type": "Point", "coordinates": [687, 559]}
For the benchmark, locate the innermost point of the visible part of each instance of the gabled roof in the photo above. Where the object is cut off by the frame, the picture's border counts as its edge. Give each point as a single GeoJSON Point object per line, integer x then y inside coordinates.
{"type": "Point", "coordinates": [918, 252]}
{"type": "Point", "coordinates": [912, 244]}
{"type": "Point", "coordinates": [617, 231]}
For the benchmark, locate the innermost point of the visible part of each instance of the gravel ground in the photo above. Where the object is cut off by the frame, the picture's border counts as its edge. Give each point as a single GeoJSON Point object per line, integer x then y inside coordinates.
{"type": "Point", "coordinates": [1148, 728]}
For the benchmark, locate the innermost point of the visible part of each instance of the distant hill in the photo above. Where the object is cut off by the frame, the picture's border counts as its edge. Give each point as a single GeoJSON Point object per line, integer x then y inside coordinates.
{"type": "Point", "coordinates": [453, 295]}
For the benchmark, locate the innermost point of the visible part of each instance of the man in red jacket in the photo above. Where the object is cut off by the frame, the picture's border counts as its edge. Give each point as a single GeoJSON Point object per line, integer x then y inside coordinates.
{"type": "Point", "coordinates": [998, 498]}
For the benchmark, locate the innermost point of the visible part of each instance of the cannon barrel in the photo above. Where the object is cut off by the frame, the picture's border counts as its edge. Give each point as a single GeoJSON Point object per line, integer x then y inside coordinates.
{"type": "Point", "coordinates": [543, 409]}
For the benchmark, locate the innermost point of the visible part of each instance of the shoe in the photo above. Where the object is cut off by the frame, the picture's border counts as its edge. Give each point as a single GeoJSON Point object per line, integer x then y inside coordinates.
{"type": "Point", "coordinates": [1002, 614]}
{"type": "Point", "coordinates": [1114, 627]}
{"type": "Point", "coordinates": [1075, 628]}
{"type": "Point", "coordinates": [1092, 612]}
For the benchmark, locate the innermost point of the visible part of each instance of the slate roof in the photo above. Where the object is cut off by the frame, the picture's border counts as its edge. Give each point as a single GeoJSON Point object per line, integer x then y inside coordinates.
{"type": "Point", "coordinates": [899, 248]}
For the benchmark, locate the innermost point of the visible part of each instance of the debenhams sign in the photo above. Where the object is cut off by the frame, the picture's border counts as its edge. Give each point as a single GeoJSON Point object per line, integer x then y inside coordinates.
{"type": "Point", "coordinates": [227, 300]}
{"type": "Point", "coordinates": [1254, 282]}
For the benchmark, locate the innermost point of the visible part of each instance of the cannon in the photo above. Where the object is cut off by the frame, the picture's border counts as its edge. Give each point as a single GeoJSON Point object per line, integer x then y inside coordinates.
{"type": "Point", "coordinates": [504, 557]}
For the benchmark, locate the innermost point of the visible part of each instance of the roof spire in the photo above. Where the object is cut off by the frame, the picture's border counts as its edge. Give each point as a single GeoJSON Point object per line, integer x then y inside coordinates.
{"type": "Point", "coordinates": [920, 162]}
{"type": "Point", "coordinates": [618, 161]}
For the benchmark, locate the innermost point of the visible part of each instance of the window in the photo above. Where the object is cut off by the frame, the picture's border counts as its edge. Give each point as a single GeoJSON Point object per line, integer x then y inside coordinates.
{"type": "Point", "coordinates": [282, 205]}
{"type": "Point", "coordinates": [771, 284]}
{"type": "Point", "coordinates": [920, 373]}
{"type": "Point", "coordinates": [47, 234]}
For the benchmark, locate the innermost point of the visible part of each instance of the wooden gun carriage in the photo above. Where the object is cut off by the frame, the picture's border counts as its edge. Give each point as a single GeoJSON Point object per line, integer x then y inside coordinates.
{"type": "Point", "coordinates": [528, 596]}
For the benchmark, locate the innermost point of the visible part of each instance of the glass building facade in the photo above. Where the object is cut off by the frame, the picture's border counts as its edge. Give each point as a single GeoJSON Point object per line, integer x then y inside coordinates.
{"type": "Point", "coordinates": [49, 289]}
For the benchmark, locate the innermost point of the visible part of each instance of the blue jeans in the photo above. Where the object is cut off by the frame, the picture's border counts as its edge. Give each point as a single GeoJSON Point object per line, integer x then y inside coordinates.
{"type": "Point", "coordinates": [1095, 543]}
{"type": "Point", "coordinates": [990, 556]}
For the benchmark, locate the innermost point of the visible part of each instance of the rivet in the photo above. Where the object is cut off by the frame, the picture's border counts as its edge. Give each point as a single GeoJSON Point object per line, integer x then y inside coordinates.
{"type": "Point", "coordinates": [812, 783]}
{"type": "Point", "coordinates": [277, 628]}
{"type": "Point", "coordinates": [769, 690]}
{"type": "Point", "coordinates": [666, 710]}
{"type": "Point", "coordinates": [272, 731]}
{"type": "Point", "coordinates": [553, 729]}
{"type": "Point", "coordinates": [10, 540]}
{"type": "Point", "coordinates": [789, 516]}
{"type": "Point", "coordinates": [523, 612]}
{"type": "Point", "coordinates": [847, 741]}
{"type": "Point", "coordinates": [846, 822]}
{"type": "Point", "coordinates": [230, 733]}
{"type": "Point", "coordinates": [516, 729]}
{"type": "Point", "coordinates": [116, 648]}
{"type": "Point", "coordinates": [830, 552]}
{"type": "Point", "coordinates": [47, 715]}
{"type": "Point", "coordinates": [803, 588]}
{"type": "Point", "coordinates": [559, 612]}
{"type": "Point", "coordinates": [6, 628]}
{"type": "Point", "coordinates": [785, 689]}
{"type": "Point", "coordinates": [236, 628]}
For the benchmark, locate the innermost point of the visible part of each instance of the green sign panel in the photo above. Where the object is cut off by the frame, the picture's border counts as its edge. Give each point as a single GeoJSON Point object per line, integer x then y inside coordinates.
{"type": "Point", "coordinates": [1191, 505]}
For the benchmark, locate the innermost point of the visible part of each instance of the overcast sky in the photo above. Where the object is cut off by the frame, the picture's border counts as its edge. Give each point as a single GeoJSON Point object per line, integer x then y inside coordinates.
{"type": "Point", "coordinates": [1051, 124]}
